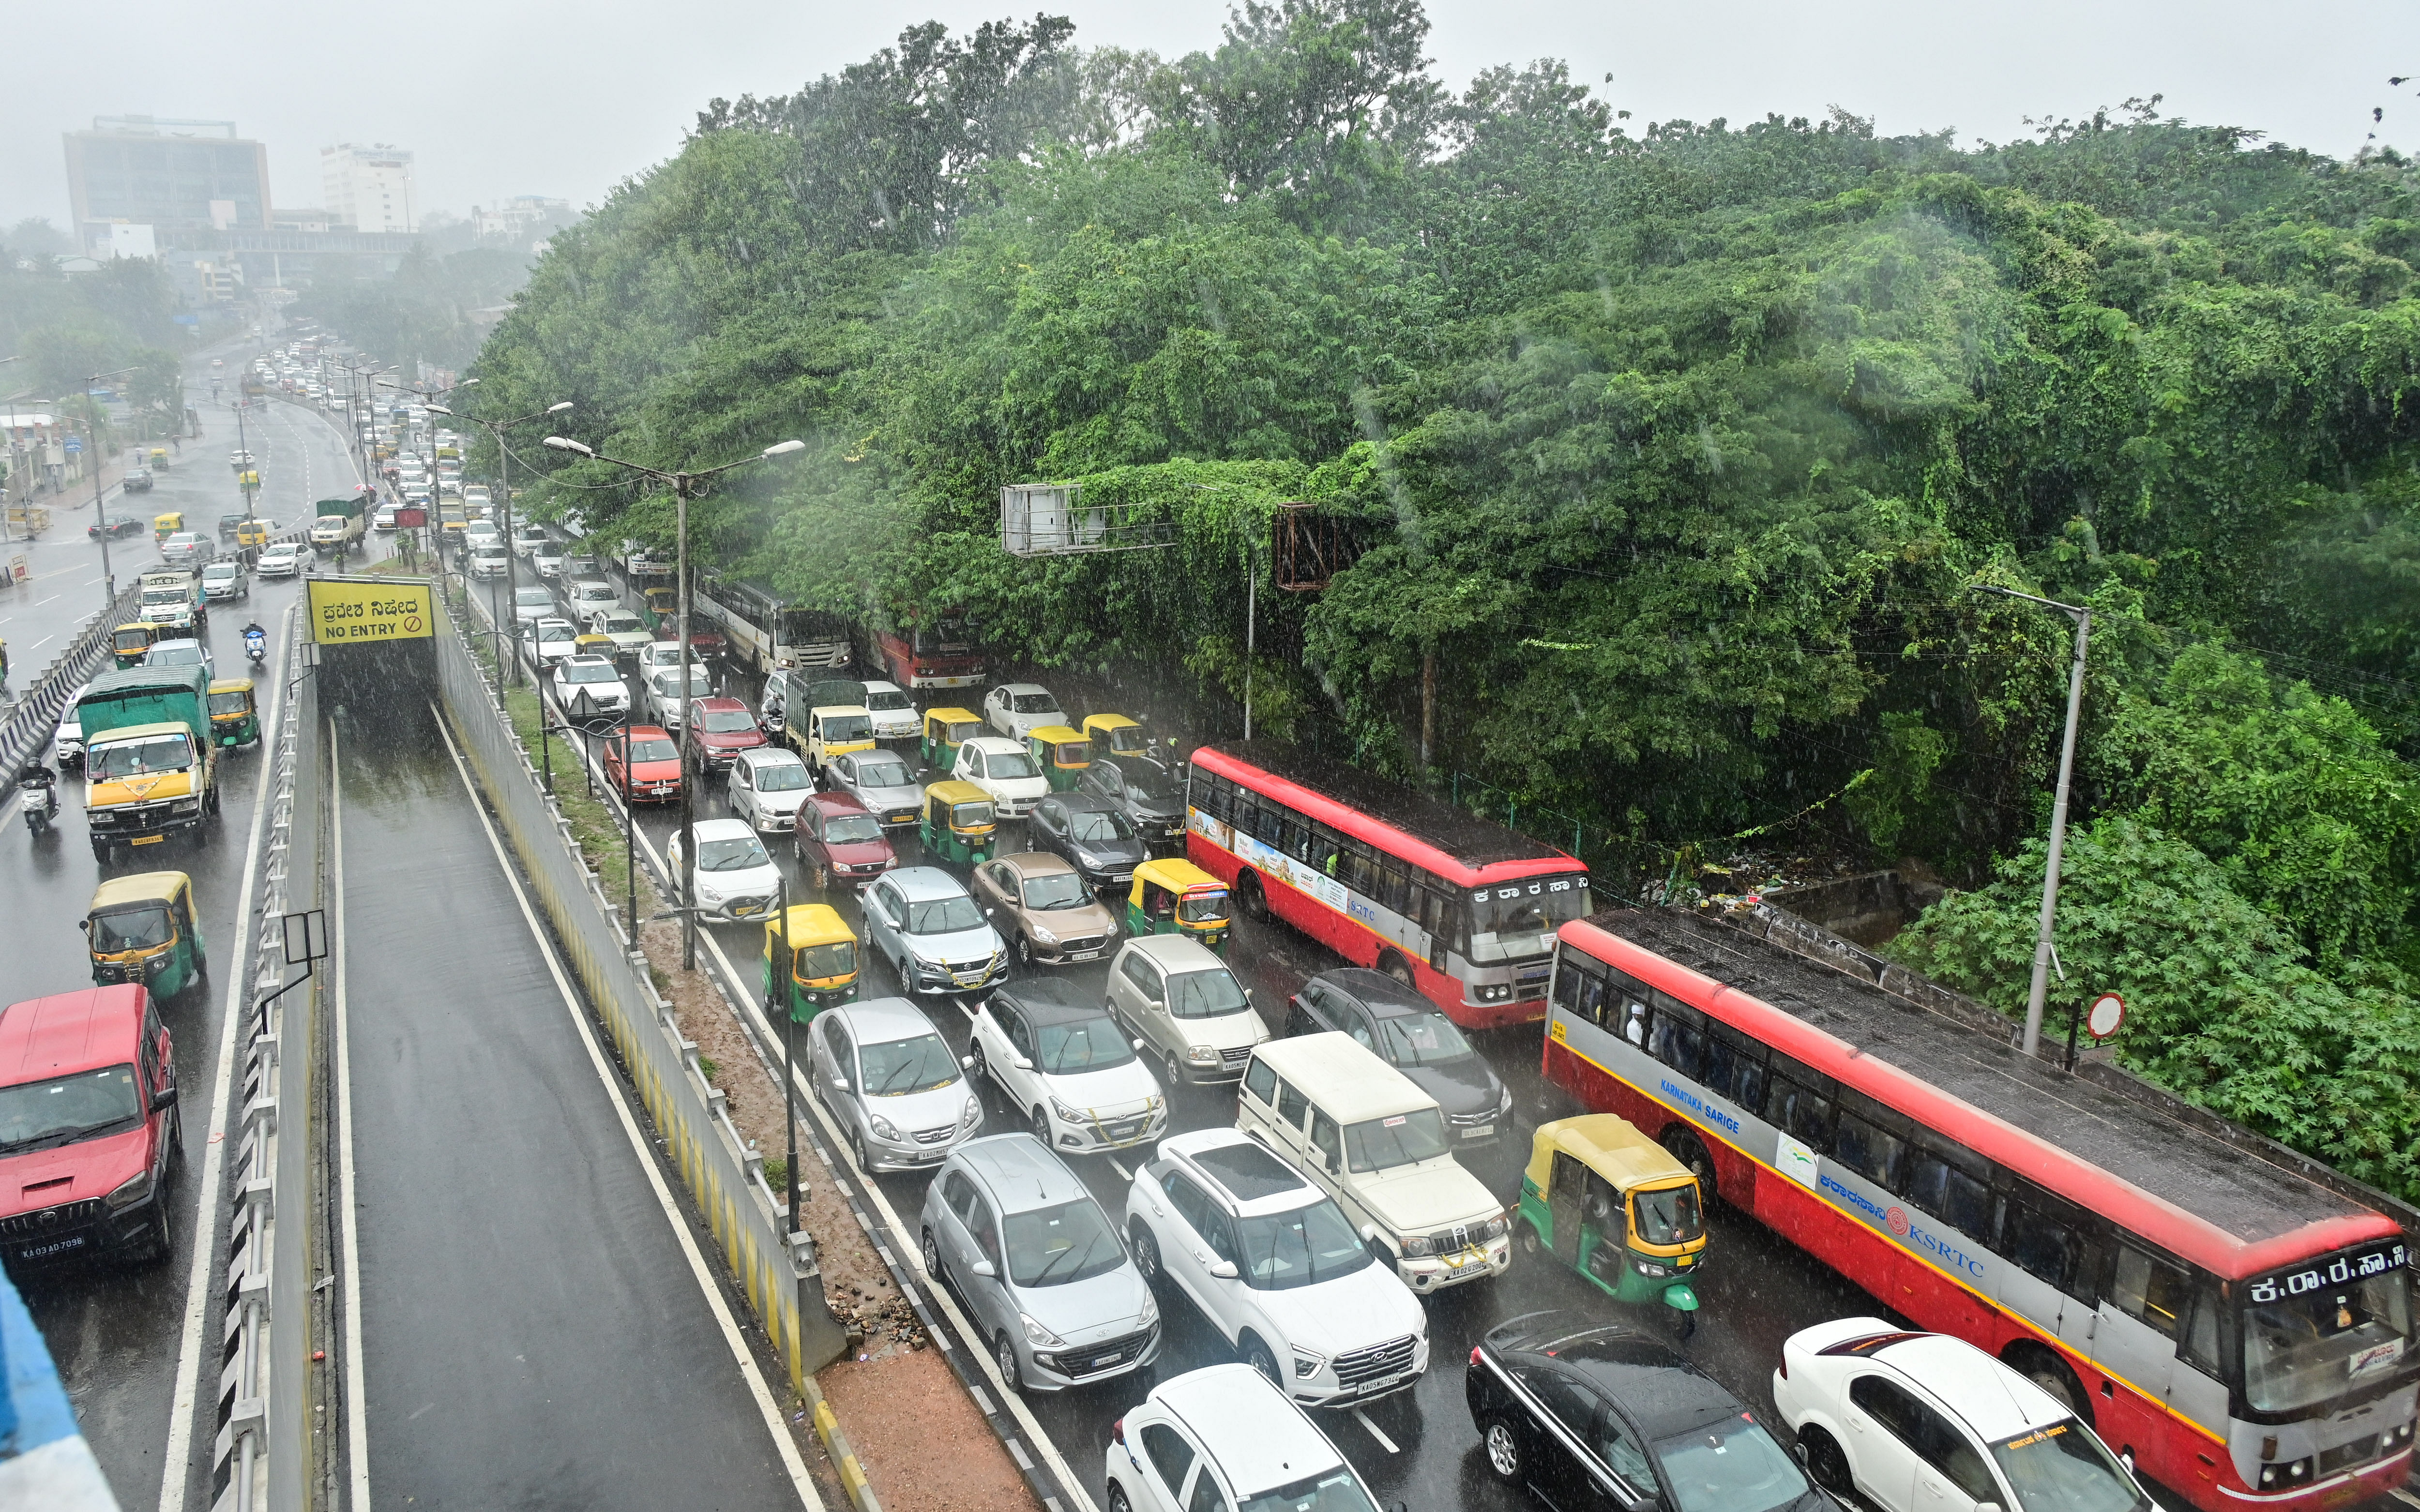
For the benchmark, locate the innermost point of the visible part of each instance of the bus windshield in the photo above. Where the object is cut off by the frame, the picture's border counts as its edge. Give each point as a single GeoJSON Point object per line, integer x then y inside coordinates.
{"type": "Point", "coordinates": [2306, 1337]}
{"type": "Point", "coordinates": [1515, 919]}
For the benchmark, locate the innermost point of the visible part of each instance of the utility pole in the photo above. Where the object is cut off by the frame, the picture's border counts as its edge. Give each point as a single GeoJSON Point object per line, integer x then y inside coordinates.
{"type": "Point", "coordinates": [495, 430]}
{"type": "Point", "coordinates": [2043, 949]}
{"type": "Point", "coordinates": [92, 444]}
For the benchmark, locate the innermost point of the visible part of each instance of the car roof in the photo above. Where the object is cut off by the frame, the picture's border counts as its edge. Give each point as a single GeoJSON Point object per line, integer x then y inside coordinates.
{"type": "Point", "coordinates": [994, 744]}
{"type": "Point", "coordinates": [1662, 1390]}
{"type": "Point", "coordinates": [1353, 1083]}
{"type": "Point", "coordinates": [581, 660]}
{"type": "Point", "coordinates": [1051, 1000]}
{"type": "Point", "coordinates": [1262, 1441]}
{"type": "Point", "coordinates": [1995, 1401]}
{"type": "Point", "coordinates": [723, 828]}
{"type": "Point", "coordinates": [1081, 803]}
{"type": "Point", "coordinates": [1022, 1175]}
{"type": "Point", "coordinates": [718, 705]}
{"type": "Point", "coordinates": [1037, 864]}
{"type": "Point", "coordinates": [832, 803]}
{"type": "Point", "coordinates": [1022, 687]}
{"type": "Point", "coordinates": [69, 1032]}
{"type": "Point", "coordinates": [1250, 1174]}
{"type": "Point", "coordinates": [1174, 953]}
{"type": "Point", "coordinates": [873, 1020]}
{"type": "Point", "coordinates": [781, 755]}
{"type": "Point", "coordinates": [650, 732]}
{"type": "Point", "coordinates": [917, 884]}
{"type": "Point", "coordinates": [1377, 990]}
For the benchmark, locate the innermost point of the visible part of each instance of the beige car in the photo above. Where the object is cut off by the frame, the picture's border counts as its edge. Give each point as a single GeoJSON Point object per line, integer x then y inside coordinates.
{"type": "Point", "coordinates": [1044, 908]}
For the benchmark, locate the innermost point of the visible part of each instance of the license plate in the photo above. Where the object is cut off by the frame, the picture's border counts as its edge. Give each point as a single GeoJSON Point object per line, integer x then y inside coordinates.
{"type": "Point", "coordinates": [37, 1252]}
{"type": "Point", "coordinates": [1104, 1361]}
{"type": "Point", "coordinates": [1384, 1383]}
{"type": "Point", "coordinates": [148, 839]}
{"type": "Point", "coordinates": [1483, 1131]}
{"type": "Point", "coordinates": [1123, 1131]}
{"type": "Point", "coordinates": [1084, 954]}
{"type": "Point", "coordinates": [927, 1156]}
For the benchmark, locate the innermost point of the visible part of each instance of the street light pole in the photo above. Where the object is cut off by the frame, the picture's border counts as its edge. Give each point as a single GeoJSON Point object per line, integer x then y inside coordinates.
{"type": "Point", "coordinates": [92, 443]}
{"type": "Point", "coordinates": [780, 993]}
{"type": "Point", "coordinates": [2043, 949]}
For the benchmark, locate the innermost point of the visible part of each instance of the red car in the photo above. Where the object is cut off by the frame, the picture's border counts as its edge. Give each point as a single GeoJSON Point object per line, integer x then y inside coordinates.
{"type": "Point", "coordinates": [653, 765]}
{"type": "Point", "coordinates": [724, 728]}
{"type": "Point", "coordinates": [88, 1118]}
{"type": "Point", "coordinates": [705, 635]}
{"type": "Point", "coordinates": [838, 842]}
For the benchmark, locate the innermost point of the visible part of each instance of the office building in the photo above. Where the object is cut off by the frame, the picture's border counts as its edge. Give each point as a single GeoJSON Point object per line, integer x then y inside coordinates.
{"type": "Point", "coordinates": [170, 174]}
{"type": "Point", "coordinates": [369, 188]}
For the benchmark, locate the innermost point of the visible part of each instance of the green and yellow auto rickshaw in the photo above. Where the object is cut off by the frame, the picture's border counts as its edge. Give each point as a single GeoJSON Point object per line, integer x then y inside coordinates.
{"type": "Point", "coordinates": [159, 458]}
{"type": "Point", "coordinates": [1062, 754]}
{"type": "Point", "coordinates": [823, 959]}
{"type": "Point", "coordinates": [1114, 735]}
{"type": "Point", "coordinates": [1176, 897]}
{"type": "Point", "coordinates": [958, 823]}
{"type": "Point", "coordinates": [130, 643]}
{"type": "Point", "coordinates": [945, 730]}
{"type": "Point", "coordinates": [142, 928]}
{"type": "Point", "coordinates": [234, 718]}
{"type": "Point", "coordinates": [1615, 1206]}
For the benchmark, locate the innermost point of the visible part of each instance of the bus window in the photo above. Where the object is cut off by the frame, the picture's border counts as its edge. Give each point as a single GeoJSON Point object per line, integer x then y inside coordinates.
{"type": "Point", "coordinates": [2043, 1246]}
{"type": "Point", "coordinates": [1394, 888]}
{"type": "Point", "coordinates": [2151, 1290]}
{"type": "Point", "coordinates": [1674, 1041]}
{"type": "Point", "coordinates": [1872, 1153]}
{"type": "Point", "coordinates": [1734, 1067]}
{"type": "Point", "coordinates": [1950, 1194]}
{"type": "Point", "coordinates": [2198, 1344]}
{"type": "Point", "coordinates": [1803, 1115]}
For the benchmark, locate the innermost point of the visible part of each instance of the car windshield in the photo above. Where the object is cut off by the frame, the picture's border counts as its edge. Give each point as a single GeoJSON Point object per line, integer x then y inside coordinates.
{"type": "Point", "coordinates": [35, 1113]}
{"type": "Point", "coordinates": [1383, 1144]}
{"type": "Point", "coordinates": [2314, 1337]}
{"type": "Point", "coordinates": [819, 962]}
{"type": "Point", "coordinates": [1056, 890]}
{"type": "Point", "coordinates": [1098, 826]}
{"type": "Point", "coordinates": [1670, 1216]}
{"type": "Point", "coordinates": [218, 572]}
{"type": "Point", "coordinates": [737, 854]}
{"type": "Point", "coordinates": [1206, 994]}
{"type": "Point", "coordinates": [1148, 784]}
{"type": "Point", "coordinates": [896, 1067]}
{"type": "Point", "coordinates": [2063, 1468]}
{"type": "Point", "coordinates": [132, 758]}
{"type": "Point", "coordinates": [533, 598]}
{"type": "Point", "coordinates": [1033, 703]}
{"type": "Point", "coordinates": [1053, 1246]}
{"type": "Point", "coordinates": [1334, 1491]}
{"type": "Point", "coordinates": [1082, 1045]}
{"type": "Point", "coordinates": [726, 721]}
{"type": "Point", "coordinates": [658, 750]}
{"type": "Point", "coordinates": [887, 702]}
{"type": "Point", "coordinates": [1422, 1040]}
{"type": "Point", "coordinates": [1299, 1248]}
{"type": "Point", "coordinates": [852, 829]}
{"type": "Point", "coordinates": [1731, 1465]}
{"type": "Point", "coordinates": [1203, 908]}
{"type": "Point", "coordinates": [1003, 765]}
{"type": "Point", "coordinates": [228, 703]}
{"type": "Point", "coordinates": [1519, 919]}
{"type": "Point", "coordinates": [781, 777]}
{"type": "Point", "coordinates": [840, 730]}
{"type": "Point", "coordinates": [943, 915]}
{"type": "Point", "coordinates": [891, 772]}
{"type": "Point", "coordinates": [575, 672]}
{"type": "Point", "coordinates": [123, 930]}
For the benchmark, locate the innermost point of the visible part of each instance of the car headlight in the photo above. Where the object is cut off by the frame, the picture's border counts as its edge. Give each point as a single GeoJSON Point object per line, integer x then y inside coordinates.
{"type": "Point", "coordinates": [974, 1110]}
{"type": "Point", "coordinates": [883, 1129]}
{"type": "Point", "coordinates": [1036, 1334]}
{"type": "Point", "coordinates": [1419, 1248]}
{"type": "Point", "coordinates": [1306, 1362]}
{"type": "Point", "coordinates": [1066, 1114]}
{"type": "Point", "coordinates": [1496, 1228]}
{"type": "Point", "coordinates": [1151, 1319]}
{"type": "Point", "coordinates": [1042, 934]}
{"type": "Point", "coordinates": [1504, 1104]}
{"type": "Point", "coordinates": [1201, 1055]}
{"type": "Point", "coordinates": [1152, 1102]}
{"type": "Point", "coordinates": [132, 1192]}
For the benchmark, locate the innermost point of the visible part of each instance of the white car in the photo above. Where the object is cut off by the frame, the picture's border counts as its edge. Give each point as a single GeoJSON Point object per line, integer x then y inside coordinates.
{"type": "Point", "coordinates": [1015, 707]}
{"type": "Point", "coordinates": [1221, 1437]}
{"type": "Point", "coordinates": [894, 715]}
{"type": "Point", "coordinates": [1910, 1420]}
{"type": "Point", "coordinates": [488, 559]}
{"type": "Point", "coordinates": [1276, 1267]}
{"type": "Point", "coordinates": [482, 532]}
{"type": "Point", "coordinates": [282, 559]}
{"type": "Point", "coordinates": [548, 559]}
{"type": "Point", "coordinates": [665, 703]}
{"type": "Point", "coordinates": [595, 676]}
{"type": "Point", "coordinates": [67, 747]}
{"type": "Point", "coordinates": [551, 641]}
{"type": "Point", "coordinates": [590, 596]}
{"type": "Point", "coordinates": [1181, 1000]}
{"type": "Point", "coordinates": [737, 882]}
{"type": "Point", "coordinates": [1066, 1068]}
{"type": "Point", "coordinates": [384, 519]}
{"type": "Point", "coordinates": [627, 630]}
{"type": "Point", "coordinates": [533, 604]}
{"type": "Point", "coordinates": [476, 499]}
{"type": "Point", "coordinates": [1005, 771]}
{"type": "Point", "coordinates": [767, 787]}
{"type": "Point", "coordinates": [526, 539]}
{"type": "Point", "coordinates": [657, 655]}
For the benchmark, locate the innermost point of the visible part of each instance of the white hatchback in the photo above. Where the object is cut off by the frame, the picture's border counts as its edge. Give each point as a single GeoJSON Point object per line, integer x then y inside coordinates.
{"type": "Point", "coordinates": [767, 789]}
{"type": "Point", "coordinates": [1016, 707]}
{"type": "Point", "coordinates": [1220, 1437]}
{"type": "Point", "coordinates": [737, 882]}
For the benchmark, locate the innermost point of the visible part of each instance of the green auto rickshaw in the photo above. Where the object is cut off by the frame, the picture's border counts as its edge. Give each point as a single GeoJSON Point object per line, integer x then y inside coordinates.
{"type": "Point", "coordinates": [1115, 735]}
{"type": "Point", "coordinates": [235, 720]}
{"type": "Point", "coordinates": [1173, 896]}
{"type": "Point", "coordinates": [1615, 1206]}
{"type": "Point", "coordinates": [130, 643]}
{"type": "Point", "coordinates": [141, 929]}
{"type": "Point", "coordinates": [945, 730]}
{"type": "Point", "coordinates": [1062, 754]}
{"type": "Point", "coordinates": [958, 823]}
{"type": "Point", "coordinates": [823, 959]}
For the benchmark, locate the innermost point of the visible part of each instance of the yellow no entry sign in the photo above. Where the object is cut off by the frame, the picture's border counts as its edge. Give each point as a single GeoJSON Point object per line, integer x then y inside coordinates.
{"type": "Point", "coordinates": [353, 611]}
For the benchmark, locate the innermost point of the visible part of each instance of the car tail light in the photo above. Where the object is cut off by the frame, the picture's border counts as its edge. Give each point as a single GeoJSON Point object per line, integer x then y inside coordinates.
{"type": "Point", "coordinates": [1474, 1354]}
{"type": "Point", "coordinates": [1785, 1365]}
{"type": "Point", "coordinates": [1118, 1433]}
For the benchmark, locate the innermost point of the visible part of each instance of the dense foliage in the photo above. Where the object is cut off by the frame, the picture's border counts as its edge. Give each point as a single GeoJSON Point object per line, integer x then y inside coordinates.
{"type": "Point", "coordinates": [1671, 453]}
{"type": "Point", "coordinates": [64, 328]}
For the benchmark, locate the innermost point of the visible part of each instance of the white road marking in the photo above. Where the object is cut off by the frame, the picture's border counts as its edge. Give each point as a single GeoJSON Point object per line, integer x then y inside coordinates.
{"type": "Point", "coordinates": [1123, 1175]}
{"type": "Point", "coordinates": [234, 1010]}
{"type": "Point", "coordinates": [44, 641]}
{"type": "Point", "coordinates": [765, 1405]}
{"type": "Point", "coordinates": [1384, 1442]}
{"type": "Point", "coordinates": [357, 1426]}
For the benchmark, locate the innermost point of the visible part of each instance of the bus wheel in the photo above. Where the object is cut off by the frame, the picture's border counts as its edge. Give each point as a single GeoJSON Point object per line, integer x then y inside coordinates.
{"type": "Point", "coordinates": [1396, 967]}
{"type": "Point", "coordinates": [2050, 1373]}
{"type": "Point", "coordinates": [1690, 1151]}
{"type": "Point", "coordinates": [1255, 903]}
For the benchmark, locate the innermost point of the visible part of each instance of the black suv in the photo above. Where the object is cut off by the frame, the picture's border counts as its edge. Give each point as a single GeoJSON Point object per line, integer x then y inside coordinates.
{"type": "Point", "coordinates": [1596, 1417]}
{"type": "Point", "coordinates": [1152, 800]}
{"type": "Point", "coordinates": [1089, 833]}
{"type": "Point", "coordinates": [1414, 1035]}
{"type": "Point", "coordinates": [137, 480]}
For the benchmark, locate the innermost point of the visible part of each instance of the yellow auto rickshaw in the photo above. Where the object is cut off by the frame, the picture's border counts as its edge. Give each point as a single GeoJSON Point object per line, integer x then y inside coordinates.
{"type": "Point", "coordinates": [131, 642]}
{"type": "Point", "coordinates": [958, 822]}
{"type": "Point", "coordinates": [1176, 897]}
{"type": "Point", "coordinates": [1114, 735]}
{"type": "Point", "coordinates": [143, 929]}
{"type": "Point", "coordinates": [592, 643]}
{"type": "Point", "coordinates": [234, 718]}
{"type": "Point", "coordinates": [1062, 754]}
{"type": "Point", "coordinates": [659, 604]}
{"type": "Point", "coordinates": [166, 524]}
{"type": "Point", "coordinates": [1618, 1208]}
{"type": "Point", "coordinates": [945, 730]}
{"type": "Point", "coordinates": [252, 533]}
{"type": "Point", "coordinates": [823, 959]}
{"type": "Point", "coordinates": [159, 458]}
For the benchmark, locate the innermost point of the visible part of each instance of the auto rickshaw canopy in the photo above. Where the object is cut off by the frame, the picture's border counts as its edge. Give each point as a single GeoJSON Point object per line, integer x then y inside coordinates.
{"type": "Point", "coordinates": [1116, 735]}
{"type": "Point", "coordinates": [168, 522]}
{"type": "Point", "coordinates": [1611, 1147]}
{"type": "Point", "coordinates": [951, 725]}
{"type": "Point", "coordinates": [1172, 887]}
{"type": "Point", "coordinates": [1056, 746]}
{"type": "Point", "coordinates": [966, 807]}
{"type": "Point", "coordinates": [823, 948]}
{"type": "Point", "coordinates": [590, 643]}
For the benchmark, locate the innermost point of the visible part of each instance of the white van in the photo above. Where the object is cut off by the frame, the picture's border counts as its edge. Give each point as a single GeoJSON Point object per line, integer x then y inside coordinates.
{"type": "Point", "coordinates": [1377, 1144]}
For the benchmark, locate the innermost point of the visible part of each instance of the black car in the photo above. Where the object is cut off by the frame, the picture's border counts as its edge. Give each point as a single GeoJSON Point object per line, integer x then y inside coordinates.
{"type": "Point", "coordinates": [1151, 797]}
{"type": "Point", "coordinates": [1604, 1419]}
{"type": "Point", "coordinates": [1414, 1035]}
{"type": "Point", "coordinates": [228, 524]}
{"type": "Point", "coordinates": [1089, 833]}
{"type": "Point", "coordinates": [116, 525]}
{"type": "Point", "coordinates": [137, 480]}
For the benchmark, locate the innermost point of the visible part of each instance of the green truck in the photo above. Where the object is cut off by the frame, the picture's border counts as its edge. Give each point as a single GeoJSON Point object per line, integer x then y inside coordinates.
{"type": "Point", "coordinates": [337, 524]}
{"type": "Point", "coordinates": [151, 767]}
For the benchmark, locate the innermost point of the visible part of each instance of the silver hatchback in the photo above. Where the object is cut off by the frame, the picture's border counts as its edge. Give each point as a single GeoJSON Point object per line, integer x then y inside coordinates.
{"type": "Point", "coordinates": [903, 1100]}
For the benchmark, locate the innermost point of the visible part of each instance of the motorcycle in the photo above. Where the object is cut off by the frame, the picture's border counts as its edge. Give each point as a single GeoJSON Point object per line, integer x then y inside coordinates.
{"type": "Point", "coordinates": [255, 644]}
{"type": "Point", "coordinates": [40, 800]}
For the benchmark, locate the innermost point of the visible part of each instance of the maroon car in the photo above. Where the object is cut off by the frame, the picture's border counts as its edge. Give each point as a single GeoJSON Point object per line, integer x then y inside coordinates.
{"type": "Point", "coordinates": [705, 635]}
{"type": "Point", "coordinates": [724, 728]}
{"type": "Point", "coordinates": [838, 842]}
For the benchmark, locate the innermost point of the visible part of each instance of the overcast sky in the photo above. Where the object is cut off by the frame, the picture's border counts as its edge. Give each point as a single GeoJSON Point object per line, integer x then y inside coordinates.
{"type": "Point", "coordinates": [510, 96]}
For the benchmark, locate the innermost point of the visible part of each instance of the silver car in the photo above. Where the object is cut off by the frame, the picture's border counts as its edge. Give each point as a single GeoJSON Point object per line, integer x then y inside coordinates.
{"type": "Point", "coordinates": [766, 786]}
{"type": "Point", "coordinates": [902, 1098]}
{"type": "Point", "coordinates": [922, 921]}
{"type": "Point", "coordinates": [1039, 1266]}
{"type": "Point", "coordinates": [882, 784]}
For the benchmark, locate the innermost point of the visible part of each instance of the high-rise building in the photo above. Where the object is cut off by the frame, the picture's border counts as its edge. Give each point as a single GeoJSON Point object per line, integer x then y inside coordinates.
{"type": "Point", "coordinates": [173, 175]}
{"type": "Point", "coordinates": [369, 188]}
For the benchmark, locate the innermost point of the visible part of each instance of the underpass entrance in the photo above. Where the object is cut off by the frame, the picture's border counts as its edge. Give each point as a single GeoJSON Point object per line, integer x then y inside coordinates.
{"type": "Point", "coordinates": [375, 641]}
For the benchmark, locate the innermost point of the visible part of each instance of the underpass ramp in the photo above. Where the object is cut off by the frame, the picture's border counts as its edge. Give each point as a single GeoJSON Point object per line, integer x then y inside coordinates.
{"type": "Point", "coordinates": [374, 642]}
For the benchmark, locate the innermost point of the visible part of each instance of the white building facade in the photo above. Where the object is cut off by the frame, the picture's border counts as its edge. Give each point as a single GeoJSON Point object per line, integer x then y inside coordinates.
{"type": "Point", "coordinates": [369, 188]}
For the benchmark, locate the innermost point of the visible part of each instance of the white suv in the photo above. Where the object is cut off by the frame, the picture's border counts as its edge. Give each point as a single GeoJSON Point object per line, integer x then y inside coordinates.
{"type": "Point", "coordinates": [1006, 770]}
{"type": "Point", "coordinates": [1274, 1265]}
{"type": "Point", "coordinates": [1223, 1438]}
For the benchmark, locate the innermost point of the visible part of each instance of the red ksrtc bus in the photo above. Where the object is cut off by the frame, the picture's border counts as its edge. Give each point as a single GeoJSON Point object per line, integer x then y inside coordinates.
{"type": "Point", "coordinates": [2236, 1316]}
{"type": "Point", "coordinates": [1463, 909]}
{"type": "Point", "coordinates": [938, 652]}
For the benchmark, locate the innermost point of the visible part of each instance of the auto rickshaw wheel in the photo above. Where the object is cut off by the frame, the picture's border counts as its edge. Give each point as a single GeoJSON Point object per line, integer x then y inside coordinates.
{"type": "Point", "coordinates": [1529, 1241]}
{"type": "Point", "coordinates": [100, 852]}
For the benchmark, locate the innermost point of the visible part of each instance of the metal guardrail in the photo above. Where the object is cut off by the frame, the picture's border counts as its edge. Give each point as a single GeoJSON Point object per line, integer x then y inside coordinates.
{"type": "Point", "coordinates": [776, 1270]}
{"type": "Point", "coordinates": [31, 720]}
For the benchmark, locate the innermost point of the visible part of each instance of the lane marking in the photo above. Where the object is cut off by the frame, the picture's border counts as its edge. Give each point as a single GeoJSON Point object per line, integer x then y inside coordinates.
{"type": "Point", "coordinates": [1384, 1442]}
{"type": "Point", "coordinates": [1123, 1175]}
{"type": "Point", "coordinates": [740, 1350]}
{"type": "Point", "coordinates": [357, 1427]}
{"type": "Point", "coordinates": [198, 1289]}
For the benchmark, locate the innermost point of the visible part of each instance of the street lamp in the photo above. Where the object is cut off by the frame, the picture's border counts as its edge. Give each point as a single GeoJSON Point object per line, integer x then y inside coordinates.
{"type": "Point", "coordinates": [495, 430]}
{"type": "Point", "coordinates": [685, 486]}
